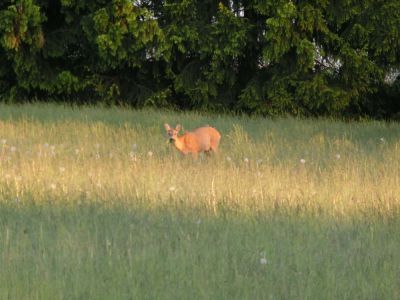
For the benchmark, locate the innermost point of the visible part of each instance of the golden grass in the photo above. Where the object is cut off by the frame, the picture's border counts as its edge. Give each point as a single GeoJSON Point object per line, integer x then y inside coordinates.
{"type": "Point", "coordinates": [73, 162]}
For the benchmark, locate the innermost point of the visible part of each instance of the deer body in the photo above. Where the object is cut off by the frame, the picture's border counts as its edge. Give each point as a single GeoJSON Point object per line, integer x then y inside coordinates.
{"type": "Point", "coordinates": [203, 139]}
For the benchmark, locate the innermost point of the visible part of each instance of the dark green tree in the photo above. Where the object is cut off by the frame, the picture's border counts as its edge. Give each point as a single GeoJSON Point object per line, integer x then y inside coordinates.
{"type": "Point", "coordinates": [319, 57]}
{"type": "Point", "coordinates": [90, 49]}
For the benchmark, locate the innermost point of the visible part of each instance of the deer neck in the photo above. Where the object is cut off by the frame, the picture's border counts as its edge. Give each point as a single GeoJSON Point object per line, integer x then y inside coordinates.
{"type": "Point", "coordinates": [179, 142]}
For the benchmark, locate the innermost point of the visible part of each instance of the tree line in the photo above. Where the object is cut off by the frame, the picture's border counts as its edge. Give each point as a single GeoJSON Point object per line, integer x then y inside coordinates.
{"type": "Point", "coordinates": [268, 57]}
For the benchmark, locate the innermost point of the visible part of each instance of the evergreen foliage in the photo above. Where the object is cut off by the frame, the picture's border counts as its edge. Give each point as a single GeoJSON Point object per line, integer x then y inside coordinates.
{"type": "Point", "coordinates": [319, 57]}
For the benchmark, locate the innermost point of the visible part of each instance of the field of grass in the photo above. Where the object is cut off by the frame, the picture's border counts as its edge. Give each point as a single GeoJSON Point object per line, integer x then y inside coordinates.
{"type": "Point", "coordinates": [95, 204]}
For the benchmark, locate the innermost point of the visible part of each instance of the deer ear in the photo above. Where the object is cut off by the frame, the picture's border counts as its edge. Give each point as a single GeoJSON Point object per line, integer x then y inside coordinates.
{"type": "Point", "coordinates": [178, 127]}
{"type": "Point", "coordinates": [167, 127]}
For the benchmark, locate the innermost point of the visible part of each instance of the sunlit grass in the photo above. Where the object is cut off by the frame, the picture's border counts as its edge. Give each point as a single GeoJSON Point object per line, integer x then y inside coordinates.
{"type": "Point", "coordinates": [263, 164]}
{"type": "Point", "coordinates": [95, 204]}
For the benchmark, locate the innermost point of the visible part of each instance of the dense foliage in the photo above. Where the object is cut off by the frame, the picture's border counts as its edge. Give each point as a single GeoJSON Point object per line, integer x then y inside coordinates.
{"type": "Point", "coordinates": [319, 57]}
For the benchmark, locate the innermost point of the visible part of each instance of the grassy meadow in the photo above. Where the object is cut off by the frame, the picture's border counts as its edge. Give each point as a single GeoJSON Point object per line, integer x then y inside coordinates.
{"type": "Point", "coordinates": [95, 204]}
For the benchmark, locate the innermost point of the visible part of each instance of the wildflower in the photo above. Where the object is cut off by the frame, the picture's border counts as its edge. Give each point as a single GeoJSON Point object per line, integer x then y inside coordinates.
{"type": "Point", "coordinates": [382, 140]}
{"type": "Point", "coordinates": [337, 156]}
{"type": "Point", "coordinates": [228, 158]}
{"type": "Point", "coordinates": [303, 161]}
{"type": "Point", "coordinates": [53, 186]}
{"type": "Point", "coordinates": [13, 149]}
{"type": "Point", "coordinates": [3, 141]}
{"type": "Point", "coordinates": [150, 154]}
{"type": "Point", "coordinates": [172, 188]}
{"type": "Point", "coordinates": [77, 151]}
{"type": "Point", "coordinates": [263, 259]}
{"type": "Point", "coordinates": [97, 156]}
{"type": "Point", "coordinates": [246, 160]}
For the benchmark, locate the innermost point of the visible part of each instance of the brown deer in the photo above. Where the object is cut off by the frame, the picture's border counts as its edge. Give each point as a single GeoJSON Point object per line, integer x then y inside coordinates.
{"type": "Point", "coordinates": [203, 139]}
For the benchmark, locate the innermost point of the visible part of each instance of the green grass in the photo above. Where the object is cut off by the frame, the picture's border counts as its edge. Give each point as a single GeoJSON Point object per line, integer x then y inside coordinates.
{"type": "Point", "coordinates": [89, 252]}
{"type": "Point", "coordinates": [85, 215]}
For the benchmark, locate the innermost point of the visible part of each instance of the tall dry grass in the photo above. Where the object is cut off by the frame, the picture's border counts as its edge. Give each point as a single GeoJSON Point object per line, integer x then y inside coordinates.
{"type": "Point", "coordinates": [313, 167]}
{"type": "Point", "coordinates": [94, 204]}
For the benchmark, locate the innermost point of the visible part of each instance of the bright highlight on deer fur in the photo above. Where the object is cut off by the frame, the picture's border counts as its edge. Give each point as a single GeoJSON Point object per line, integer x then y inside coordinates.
{"type": "Point", "coordinates": [203, 139]}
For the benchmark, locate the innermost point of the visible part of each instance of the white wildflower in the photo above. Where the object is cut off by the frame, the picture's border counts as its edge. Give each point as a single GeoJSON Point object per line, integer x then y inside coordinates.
{"type": "Point", "coordinates": [172, 188]}
{"type": "Point", "coordinates": [263, 259]}
{"type": "Point", "coordinates": [150, 154]}
{"type": "Point", "coordinates": [337, 156]}
{"type": "Point", "coordinates": [246, 160]}
{"type": "Point", "coordinates": [228, 158]}
{"type": "Point", "coordinates": [303, 161]}
{"type": "Point", "coordinates": [53, 186]}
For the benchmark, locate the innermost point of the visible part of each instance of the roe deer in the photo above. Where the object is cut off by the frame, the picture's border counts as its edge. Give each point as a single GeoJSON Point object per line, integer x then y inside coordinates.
{"type": "Point", "coordinates": [203, 139]}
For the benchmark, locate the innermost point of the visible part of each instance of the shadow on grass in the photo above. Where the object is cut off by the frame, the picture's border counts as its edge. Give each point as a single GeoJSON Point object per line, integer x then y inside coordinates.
{"type": "Point", "coordinates": [94, 252]}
